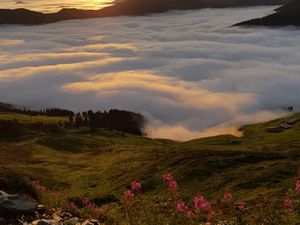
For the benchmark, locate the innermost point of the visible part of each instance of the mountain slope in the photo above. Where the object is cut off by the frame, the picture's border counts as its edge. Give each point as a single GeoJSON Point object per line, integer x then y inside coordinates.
{"type": "Point", "coordinates": [286, 15]}
{"type": "Point", "coordinates": [104, 163]}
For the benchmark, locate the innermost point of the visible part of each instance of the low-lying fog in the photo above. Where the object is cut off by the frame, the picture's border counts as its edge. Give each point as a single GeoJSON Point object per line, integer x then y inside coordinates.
{"type": "Point", "coordinates": [188, 72]}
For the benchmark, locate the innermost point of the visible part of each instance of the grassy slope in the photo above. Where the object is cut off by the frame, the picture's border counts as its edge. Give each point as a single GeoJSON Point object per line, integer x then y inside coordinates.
{"type": "Point", "coordinates": [106, 162]}
{"type": "Point", "coordinates": [30, 119]}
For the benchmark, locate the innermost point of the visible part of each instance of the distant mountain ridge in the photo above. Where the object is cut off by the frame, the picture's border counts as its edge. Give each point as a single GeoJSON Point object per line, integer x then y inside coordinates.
{"type": "Point", "coordinates": [286, 15]}
{"type": "Point", "coordinates": [128, 7]}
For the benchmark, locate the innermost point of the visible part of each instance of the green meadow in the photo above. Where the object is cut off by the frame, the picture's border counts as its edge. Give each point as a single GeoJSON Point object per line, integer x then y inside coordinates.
{"type": "Point", "coordinates": [259, 168]}
{"type": "Point", "coordinates": [104, 163]}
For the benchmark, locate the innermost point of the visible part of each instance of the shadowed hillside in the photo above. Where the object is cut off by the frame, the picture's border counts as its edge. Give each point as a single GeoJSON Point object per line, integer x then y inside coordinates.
{"type": "Point", "coordinates": [286, 15]}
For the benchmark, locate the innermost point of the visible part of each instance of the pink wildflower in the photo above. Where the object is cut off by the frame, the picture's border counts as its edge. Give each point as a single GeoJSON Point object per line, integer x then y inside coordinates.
{"type": "Point", "coordinates": [201, 203]}
{"type": "Point", "coordinates": [228, 197]}
{"type": "Point", "coordinates": [189, 213]}
{"type": "Point", "coordinates": [297, 188]}
{"type": "Point", "coordinates": [90, 205]}
{"type": "Point", "coordinates": [242, 206]}
{"type": "Point", "coordinates": [168, 177]}
{"type": "Point", "coordinates": [127, 195]}
{"type": "Point", "coordinates": [287, 203]}
{"type": "Point", "coordinates": [172, 185]}
{"type": "Point", "coordinates": [181, 207]}
{"type": "Point", "coordinates": [136, 186]}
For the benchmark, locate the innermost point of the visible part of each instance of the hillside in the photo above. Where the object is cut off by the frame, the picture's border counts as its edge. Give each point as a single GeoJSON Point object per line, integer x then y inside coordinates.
{"type": "Point", "coordinates": [101, 164]}
{"type": "Point", "coordinates": [287, 15]}
{"type": "Point", "coordinates": [123, 8]}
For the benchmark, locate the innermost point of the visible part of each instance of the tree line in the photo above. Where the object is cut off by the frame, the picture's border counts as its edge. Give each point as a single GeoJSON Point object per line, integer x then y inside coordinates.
{"type": "Point", "coordinates": [114, 119]}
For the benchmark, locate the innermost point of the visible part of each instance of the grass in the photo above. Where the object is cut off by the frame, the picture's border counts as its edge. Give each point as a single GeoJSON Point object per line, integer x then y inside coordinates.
{"type": "Point", "coordinates": [31, 119]}
{"type": "Point", "coordinates": [104, 163]}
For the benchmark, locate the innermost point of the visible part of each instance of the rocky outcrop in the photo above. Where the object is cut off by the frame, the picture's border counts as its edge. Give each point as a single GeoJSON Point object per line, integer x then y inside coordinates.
{"type": "Point", "coordinates": [128, 7]}
{"type": "Point", "coordinates": [14, 204]}
{"type": "Point", "coordinates": [48, 217]}
{"type": "Point", "coordinates": [286, 15]}
{"type": "Point", "coordinates": [16, 210]}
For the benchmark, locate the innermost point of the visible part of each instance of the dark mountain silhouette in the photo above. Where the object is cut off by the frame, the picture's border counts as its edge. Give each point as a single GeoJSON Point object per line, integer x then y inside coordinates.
{"type": "Point", "coordinates": [127, 7]}
{"type": "Point", "coordinates": [287, 15]}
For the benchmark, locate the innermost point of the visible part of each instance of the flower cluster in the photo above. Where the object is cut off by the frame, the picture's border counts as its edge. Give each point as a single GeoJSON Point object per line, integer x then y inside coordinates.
{"type": "Point", "coordinates": [242, 206]}
{"type": "Point", "coordinates": [287, 203]}
{"type": "Point", "coordinates": [183, 208]}
{"type": "Point", "coordinates": [201, 203]}
{"type": "Point", "coordinates": [136, 186]}
{"type": "Point", "coordinates": [128, 195]}
{"type": "Point", "coordinates": [198, 209]}
{"type": "Point", "coordinates": [171, 182]}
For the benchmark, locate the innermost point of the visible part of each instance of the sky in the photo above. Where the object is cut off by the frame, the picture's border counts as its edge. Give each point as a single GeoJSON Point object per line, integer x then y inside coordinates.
{"type": "Point", "coordinates": [189, 72]}
{"type": "Point", "coordinates": [53, 5]}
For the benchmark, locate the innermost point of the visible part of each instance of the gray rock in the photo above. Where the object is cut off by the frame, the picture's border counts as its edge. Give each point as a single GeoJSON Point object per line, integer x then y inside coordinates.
{"type": "Point", "coordinates": [15, 204]}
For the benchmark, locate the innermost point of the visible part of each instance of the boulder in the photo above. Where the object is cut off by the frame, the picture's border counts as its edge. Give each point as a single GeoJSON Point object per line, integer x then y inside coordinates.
{"type": "Point", "coordinates": [15, 204]}
{"type": "Point", "coordinates": [276, 129]}
{"type": "Point", "coordinates": [286, 126]}
{"type": "Point", "coordinates": [293, 121]}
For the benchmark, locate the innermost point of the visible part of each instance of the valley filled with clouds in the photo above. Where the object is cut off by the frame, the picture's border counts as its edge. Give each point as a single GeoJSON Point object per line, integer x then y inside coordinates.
{"type": "Point", "coordinates": [189, 72]}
